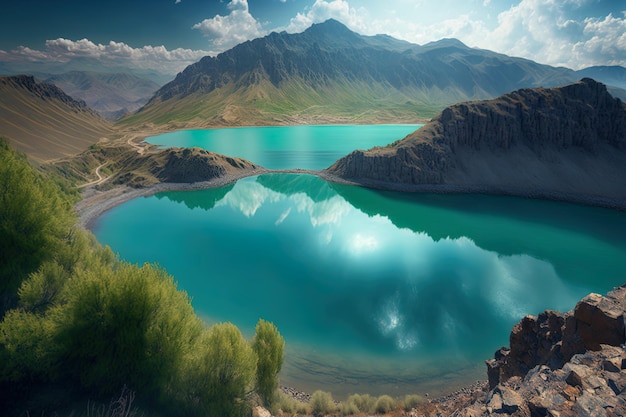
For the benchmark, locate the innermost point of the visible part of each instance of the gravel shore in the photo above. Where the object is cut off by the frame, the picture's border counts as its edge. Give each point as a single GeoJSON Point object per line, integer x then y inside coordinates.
{"type": "Point", "coordinates": [95, 202]}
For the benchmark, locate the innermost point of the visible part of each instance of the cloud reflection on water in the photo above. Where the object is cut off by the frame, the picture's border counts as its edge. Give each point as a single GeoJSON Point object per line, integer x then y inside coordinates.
{"type": "Point", "coordinates": [391, 287]}
{"type": "Point", "coordinates": [366, 286]}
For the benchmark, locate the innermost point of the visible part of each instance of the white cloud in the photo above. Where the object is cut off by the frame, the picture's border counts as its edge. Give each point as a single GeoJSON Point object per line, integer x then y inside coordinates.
{"type": "Point", "coordinates": [238, 26]}
{"type": "Point", "coordinates": [113, 54]}
{"type": "Point", "coordinates": [548, 32]}
{"type": "Point", "coordinates": [323, 10]}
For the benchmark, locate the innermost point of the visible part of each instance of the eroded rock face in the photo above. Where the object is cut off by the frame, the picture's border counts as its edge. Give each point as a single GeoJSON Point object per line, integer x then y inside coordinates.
{"type": "Point", "coordinates": [569, 139]}
{"type": "Point", "coordinates": [590, 384]}
{"type": "Point", "coordinates": [552, 338]}
{"type": "Point", "coordinates": [561, 364]}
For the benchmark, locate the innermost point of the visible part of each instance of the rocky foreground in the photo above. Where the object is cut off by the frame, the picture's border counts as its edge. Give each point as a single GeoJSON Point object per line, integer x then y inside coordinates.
{"type": "Point", "coordinates": [566, 143]}
{"type": "Point", "coordinates": [559, 364]}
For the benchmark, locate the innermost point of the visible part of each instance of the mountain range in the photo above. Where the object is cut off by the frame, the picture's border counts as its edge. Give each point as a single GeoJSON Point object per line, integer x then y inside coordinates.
{"type": "Point", "coordinates": [330, 74]}
{"type": "Point", "coordinates": [326, 74]}
{"type": "Point", "coordinates": [112, 95]}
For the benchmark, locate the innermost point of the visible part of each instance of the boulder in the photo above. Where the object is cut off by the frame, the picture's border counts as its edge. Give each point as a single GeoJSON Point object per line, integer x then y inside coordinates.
{"type": "Point", "coordinates": [552, 338]}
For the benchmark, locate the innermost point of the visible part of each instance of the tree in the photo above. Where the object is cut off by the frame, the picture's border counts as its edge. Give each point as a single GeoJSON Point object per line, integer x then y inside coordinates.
{"type": "Point", "coordinates": [221, 372]}
{"type": "Point", "coordinates": [269, 348]}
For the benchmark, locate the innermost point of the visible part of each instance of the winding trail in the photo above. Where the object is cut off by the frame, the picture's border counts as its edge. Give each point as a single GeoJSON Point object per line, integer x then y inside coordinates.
{"type": "Point", "coordinates": [100, 179]}
{"type": "Point", "coordinates": [140, 149]}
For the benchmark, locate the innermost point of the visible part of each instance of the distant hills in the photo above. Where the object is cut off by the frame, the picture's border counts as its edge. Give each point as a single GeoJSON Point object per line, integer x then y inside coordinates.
{"type": "Point", "coordinates": [331, 74]}
{"type": "Point", "coordinates": [566, 142]}
{"type": "Point", "coordinates": [42, 121]}
{"type": "Point", "coordinates": [112, 95]}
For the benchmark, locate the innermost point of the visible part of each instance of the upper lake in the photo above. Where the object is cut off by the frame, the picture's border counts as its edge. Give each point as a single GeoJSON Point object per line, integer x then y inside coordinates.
{"type": "Point", "coordinates": [374, 291]}
{"type": "Point", "coordinates": [287, 147]}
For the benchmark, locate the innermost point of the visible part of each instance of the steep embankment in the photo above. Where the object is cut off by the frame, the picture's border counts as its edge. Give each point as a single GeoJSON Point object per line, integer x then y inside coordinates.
{"type": "Point", "coordinates": [42, 121]}
{"type": "Point", "coordinates": [567, 142]}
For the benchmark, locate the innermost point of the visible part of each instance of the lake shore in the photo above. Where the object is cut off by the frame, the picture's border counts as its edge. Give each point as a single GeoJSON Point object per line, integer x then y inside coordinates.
{"type": "Point", "coordinates": [95, 202]}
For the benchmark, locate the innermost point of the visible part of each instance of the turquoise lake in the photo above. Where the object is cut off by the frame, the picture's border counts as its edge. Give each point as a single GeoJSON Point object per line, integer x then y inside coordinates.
{"type": "Point", "coordinates": [287, 147]}
{"type": "Point", "coordinates": [375, 292]}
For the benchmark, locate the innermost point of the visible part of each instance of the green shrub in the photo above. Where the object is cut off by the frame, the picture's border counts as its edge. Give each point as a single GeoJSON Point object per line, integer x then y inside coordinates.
{"type": "Point", "coordinates": [348, 408]}
{"type": "Point", "coordinates": [287, 405]}
{"type": "Point", "coordinates": [268, 346]}
{"type": "Point", "coordinates": [411, 401]}
{"type": "Point", "coordinates": [220, 371]}
{"type": "Point", "coordinates": [35, 220]}
{"type": "Point", "coordinates": [43, 288]}
{"type": "Point", "coordinates": [25, 339]}
{"type": "Point", "coordinates": [384, 404]}
{"type": "Point", "coordinates": [364, 403]}
{"type": "Point", "coordinates": [123, 326]}
{"type": "Point", "coordinates": [322, 403]}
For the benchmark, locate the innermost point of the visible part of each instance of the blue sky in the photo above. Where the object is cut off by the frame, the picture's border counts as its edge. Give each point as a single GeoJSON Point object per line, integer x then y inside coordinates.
{"type": "Point", "coordinates": [167, 35]}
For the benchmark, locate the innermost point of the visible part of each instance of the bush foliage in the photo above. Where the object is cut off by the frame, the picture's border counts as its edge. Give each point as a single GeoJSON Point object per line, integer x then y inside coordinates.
{"type": "Point", "coordinates": [268, 346]}
{"type": "Point", "coordinates": [76, 317]}
{"type": "Point", "coordinates": [322, 403]}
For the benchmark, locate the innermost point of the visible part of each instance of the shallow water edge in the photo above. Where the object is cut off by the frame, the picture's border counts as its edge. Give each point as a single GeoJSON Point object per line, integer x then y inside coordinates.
{"type": "Point", "coordinates": [95, 202]}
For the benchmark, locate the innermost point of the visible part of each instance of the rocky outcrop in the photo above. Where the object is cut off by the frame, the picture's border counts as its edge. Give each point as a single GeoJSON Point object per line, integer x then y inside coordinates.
{"type": "Point", "coordinates": [568, 140]}
{"type": "Point", "coordinates": [551, 339]}
{"type": "Point", "coordinates": [561, 364]}
{"type": "Point", "coordinates": [175, 165]}
{"type": "Point", "coordinates": [590, 384]}
{"type": "Point", "coordinates": [195, 165]}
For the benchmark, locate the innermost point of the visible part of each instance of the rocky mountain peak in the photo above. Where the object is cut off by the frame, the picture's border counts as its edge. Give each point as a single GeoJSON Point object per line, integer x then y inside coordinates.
{"type": "Point", "coordinates": [329, 65]}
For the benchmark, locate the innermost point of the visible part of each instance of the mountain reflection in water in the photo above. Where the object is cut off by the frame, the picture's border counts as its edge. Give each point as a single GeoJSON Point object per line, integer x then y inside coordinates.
{"type": "Point", "coordinates": [374, 291]}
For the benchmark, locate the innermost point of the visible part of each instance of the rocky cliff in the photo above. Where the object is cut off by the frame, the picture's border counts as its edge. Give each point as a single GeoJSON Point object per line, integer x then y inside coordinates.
{"type": "Point", "coordinates": [173, 165]}
{"type": "Point", "coordinates": [565, 142]}
{"type": "Point", "coordinates": [560, 364]}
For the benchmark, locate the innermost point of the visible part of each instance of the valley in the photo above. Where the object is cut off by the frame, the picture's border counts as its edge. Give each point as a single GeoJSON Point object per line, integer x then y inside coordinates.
{"type": "Point", "coordinates": [431, 221]}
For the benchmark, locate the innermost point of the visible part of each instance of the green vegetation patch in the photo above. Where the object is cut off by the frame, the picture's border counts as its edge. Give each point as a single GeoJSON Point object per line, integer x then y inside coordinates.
{"type": "Point", "coordinates": [79, 325]}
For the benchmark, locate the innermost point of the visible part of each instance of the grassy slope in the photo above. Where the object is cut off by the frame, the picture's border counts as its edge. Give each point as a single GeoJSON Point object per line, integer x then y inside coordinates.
{"type": "Point", "coordinates": [46, 129]}
{"type": "Point", "coordinates": [293, 103]}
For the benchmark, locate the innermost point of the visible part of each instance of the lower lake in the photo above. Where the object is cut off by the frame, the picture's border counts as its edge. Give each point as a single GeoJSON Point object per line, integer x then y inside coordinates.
{"type": "Point", "coordinates": [374, 291]}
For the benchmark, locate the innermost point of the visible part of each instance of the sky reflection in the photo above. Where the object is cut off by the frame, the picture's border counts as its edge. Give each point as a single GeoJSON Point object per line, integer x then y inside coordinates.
{"type": "Point", "coordinates": [340, 279]}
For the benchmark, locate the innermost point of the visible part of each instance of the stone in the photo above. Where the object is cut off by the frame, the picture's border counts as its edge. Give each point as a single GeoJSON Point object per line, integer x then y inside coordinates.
{"type": "Point", "coordinates": [574, 379]}
{"type": "Point", "coordinates": [591, 382]}
{"type": "Point", "coordinates": [259, 411]}
{"type": "Point", "coordinates": [610, 366]}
